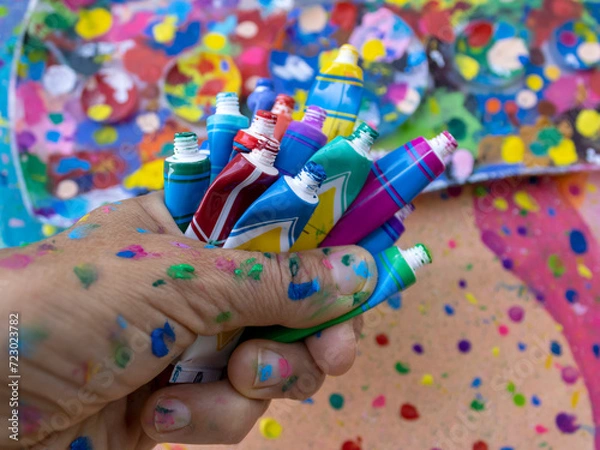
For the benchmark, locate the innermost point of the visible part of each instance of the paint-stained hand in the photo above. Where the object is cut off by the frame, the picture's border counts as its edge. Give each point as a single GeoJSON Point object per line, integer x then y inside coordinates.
{"type": "Point", "coordinates": [105, 308]}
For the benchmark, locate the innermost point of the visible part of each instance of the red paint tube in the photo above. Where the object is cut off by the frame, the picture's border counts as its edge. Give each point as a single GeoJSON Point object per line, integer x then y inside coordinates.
{"type": "Point", "coordinates": [283, 108]}
{"type": "Point", "coordinates": [263, 126]}
{"type": "Point", "coordinates": [241, 182]}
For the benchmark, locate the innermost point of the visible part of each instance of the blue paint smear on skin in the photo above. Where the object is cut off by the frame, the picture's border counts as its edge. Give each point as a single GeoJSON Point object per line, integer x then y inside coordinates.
{"type": "Point", "coordinates": [555, 348]}
{"type": "Point", "coordinates": [141, 230]}
{"type": "Point", "coordinates": [522, 346]}
{"type": "Point", "coordinates": [449, 309]}
{"type": "Point", "coordinates": [535, 401]}
{"type": "Point", "coordinates": [300, 291]}
{"type": "Point", "coordinates": [395, 302]}
{"type": "Point", "coordinates": [309, 401]}
{"type": "Point", "coordinates": [82, 231]}
{"type": "Point", "coordinates": [81, 443]}
{"type": "Point", "coordinates": [121, 321]}
{"type": "Point", "coordinates": [596, 350]}
{"type": "Point", "coordinates": [476, 382]}
{"type": "Point", "coordinates": [126, 254]}
{"type": "Point", "coordinates": [158, 337]}
{"type": "Point", "coordinates": [362, 270]}
{"type": "Point", "coordinates": [577, 242]}
{"type": "Point", "coordinates": [265, 373]}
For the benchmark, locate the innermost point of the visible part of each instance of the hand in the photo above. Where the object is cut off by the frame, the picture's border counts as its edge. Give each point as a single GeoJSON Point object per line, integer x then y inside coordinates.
{"type": "Point", "coordinates": [95, 306]}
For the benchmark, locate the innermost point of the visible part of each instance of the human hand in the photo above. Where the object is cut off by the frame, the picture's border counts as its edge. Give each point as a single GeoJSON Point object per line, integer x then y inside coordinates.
{"type": "Point", "coordinates": [89, 299]}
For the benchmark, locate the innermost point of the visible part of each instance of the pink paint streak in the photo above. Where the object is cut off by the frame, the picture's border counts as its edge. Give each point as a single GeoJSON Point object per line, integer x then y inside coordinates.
{"type": "Point", "coordinates": [16, 262]}
{"type": "Point", "coordinates": [378, 402]}
{"type": "Point", "coordinates": [225, 264]}
{"type": "Point", "coordinates": [530, 255]}
{"type": "Point", "coordinates": [285, 370]}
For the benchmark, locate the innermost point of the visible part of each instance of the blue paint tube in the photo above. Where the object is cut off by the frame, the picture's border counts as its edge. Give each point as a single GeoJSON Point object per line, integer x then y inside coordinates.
{"type": "Point", "coordinates": [387, 234]}
{"type": "Point", "coordinates": [263, 96]}
{"type": "Point", "coordinates": [278, 216]}
{"type": "Point", "coordinates": [301, 141]}
{"type": "Point", "coordinates": [186, 174]}
{"type": "Point", "coordinates": [222, 128]}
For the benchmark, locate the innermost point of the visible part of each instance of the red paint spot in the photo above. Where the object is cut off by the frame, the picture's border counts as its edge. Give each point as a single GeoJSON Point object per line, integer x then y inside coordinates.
{"type": "Point", "coordinates": [175, 77]}
{"type": "Point", "coordinates": [479, 34]}
{"type": "Point", "coordinates": [205, 66]}
{"type": "Point", "coordinates": [437, 23]}
{"type": "Point", "coordinates": [344, 15]}
{"type": "Point", "coordinates": [452, 243]}
{"type": "Point", "coordinates": [480, 445]}
{"type": "Point", "coordinates": [541, 429]}
{"type": "Point", "coordinates": [595, 82]}
{"type": "Point", "coordinates": [382, 339]}
{"type": "Point", "coordinates": [409, 412]}
{"type": "Point", "coordinates": [212, 87]}
{"type": "Point", "coordinates": [503, 330]}
{"type": "Point", "coordinates": [352, 445]}
{"type": "Point", "coordinates": [145, 62]}
{"type": "Point", "coordinates": [511, 108]}
{"type": "Point", "coordinates": [568, 38]}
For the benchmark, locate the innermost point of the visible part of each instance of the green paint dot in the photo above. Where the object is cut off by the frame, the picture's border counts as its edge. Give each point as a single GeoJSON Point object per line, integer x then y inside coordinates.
{"type": "Point", "coordinates": [326, 251]}
{"type": "Point", "coordinates": [519, 400]}
{"type": "Point", "coordinates": [457, 128]}
{"type": "Point", "coordinates": [550, 136]}
{"type": "Point", "coordinates": [556, 265]}
{"type": "Point", "coordinates": [359, 298]}
{"type": "Point", "coordinates": [469, 266]}
{"type": "Point", "coordinates": [347, 260]}
{"type": "Point", "coordinates": [56, 21]}
{"type": "Point", "coordinates": [224, 317]}
{"type": "Point", "coordinates": [336, 401]}
{"type": "Point", "coordinates": [87, 274]}
{"type": "Point", "coordinates": [538, 148]}
{"type": "Point", "coordinates": [122, 355]}
{"type": "Point", "coordinates": [480, 191]}
{"type": "Point", "coordinates": [476, 405]}
{"type": "Point", "coordinates": [510, 387]}
{"type": "Point", "coordinates": [294, 265]}
{"type": "Point", "coordinates": [268, 255]}
{"type": "Point", "coordinates": [289, 383]}
{"type": "Point", "coordinates": [3, 11]}
{"type": "Point", "coordinates": [56, 118]}
{"type": "Point", "coordinates": [181, 271]}
{"type": "Point", "coordinates": [402, 368]}
{"type": "Point", "coordinates": [255, 271]}
{"type": "Point", "coordinates": [105, 135]}
{"type": "Point", "coordinates": [158, 283]}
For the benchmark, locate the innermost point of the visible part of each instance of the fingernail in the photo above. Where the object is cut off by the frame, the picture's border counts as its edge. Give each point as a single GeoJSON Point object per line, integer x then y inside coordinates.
{"type": "Point", "coordinates": [350, 271]}
{"type": "Point", "coordinates": [271, 369]}
{"type": "Point", "coordinates": [170, 415]}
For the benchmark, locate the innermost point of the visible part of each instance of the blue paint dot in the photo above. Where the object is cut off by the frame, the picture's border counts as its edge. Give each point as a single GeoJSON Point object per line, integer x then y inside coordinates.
{"type": "Point", "coordinates": [265, 373]}
{"type": "Point", "coordinates": [476, 382]}
{"type": "Point", "coordinates": [522, 346]}
{"type": "Point", "coordinates": [52, 136]}
{"type": "Point", "coordinates": [81, 443]}
{"type": "Point", "coordinates": [141, 230]}
{"type": "Point", "coordinates": [464, 346]}
{"type": "Point", "coordinates": [462, 283]}
{"type": "Point", "coordinates": [507, 448]}
{"type": "Point", "coordinates": [505, 230]}
{"type": "Point", "coordinates": [121, 321]}
{"type": "Point", "coordinates": [577, 241]}
{"type": "Point", "coordinates": [555, 348]}
{"type": "Point", "coordinates": [158, 337]}
{"type": "Point", "coordinates": [571, 295]}
{"type": "Point", "coordinates": [522, 231]}
{"type": "Point", "coordinates": [596, 350]}
{"type": "Point", "coordinates": [309, 401]}
{"type": "Point", "coordinates": [449, 309]}
{"type": "Point", "coordinates": [535, 400]}
{"type": "Point", "coordinates": [418, 349]}
{"type": "Point", "coordinates": [318, 334]}
{"type": "Point", "coordinates": [126, 254]}
{"type": "Point", "coordinates": [507, 263]}
{"type": "Point", "coordinates": [299, 291]}
{"type": "Point", "coordinates": [551, 212]}
{"type": "Point", "coordinates": [395, 302]}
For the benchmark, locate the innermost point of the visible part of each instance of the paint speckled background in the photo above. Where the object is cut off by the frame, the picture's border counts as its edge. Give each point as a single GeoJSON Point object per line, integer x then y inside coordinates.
{"type": "Point", "coordinates": [449, 357]}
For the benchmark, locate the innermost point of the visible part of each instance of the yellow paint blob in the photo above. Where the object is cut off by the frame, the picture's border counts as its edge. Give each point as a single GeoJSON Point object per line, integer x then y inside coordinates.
{"type": "Point", "coordinates": [189, 113]}
{"type": "Point", "coordinates": [500, 204]}
{"type": "Point", "coordinates": [93, 23]}
{"type": "Point", "coordinates": [552, 73]}
{"type": "Point", "coordinates": [372, 50]}
{"type": "Point", "coordinates": [467, 66]}
{"type": "Point", "coordinates": [427, 379]}
{"type": "Point", "coordinates": [215, 41]}
{"type": "Point", "coordinates": [149, 176]}
{"type": "Point", "coordinates": [496, 351]}
{"type": "Point", "coordinates": [164, 31]}
{"type": "Point", "coordinates": [105, 135]}
{"type": "Point", "coordinates": [49, 230]}
{"type": "Point", "coordinates": [575, 399]}
{"type": "Point", "coordinates": [583, 271]}
{"type": "Point", "coordinates": [99, 112]}
{"type": "Point", "coordinates": [525, 201]}
{"type": "Point", "coordinates": [270, 428]}
{"type": "Point", "coordinates": [588, 122]}
{"type": "Point", "coordinates": [513, 150]}
{"type": "Point", "coordinates": [534, 82]}
{"type": "Point", "coordinates": [564, 153]}
{"type": "Point", "coordinates": [548, 363]}
{"type": "Point", "coordinates": [471, 298]}
{"type": "Point", "coordinates": [84, 218]}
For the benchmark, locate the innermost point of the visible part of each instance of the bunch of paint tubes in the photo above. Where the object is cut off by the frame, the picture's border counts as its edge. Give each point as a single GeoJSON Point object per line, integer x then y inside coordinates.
{"type": "Point", "coordinates": [279, 185]}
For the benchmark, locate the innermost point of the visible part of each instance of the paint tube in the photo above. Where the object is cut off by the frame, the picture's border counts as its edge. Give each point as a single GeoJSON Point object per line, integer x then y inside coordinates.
{"type": "Point", "coordinates": [186, 174]}
{"type": "Point", "coordinates": [263, 96]}
{"type": "Point", "coordinates": [283, 109]}
{"type": "Point", "coordinates": [222, 128]}
{"type": "Point", "coordinates": [347, 164]}
{"type": "Point", "coordinates": [276, 219]}
{"type": "Point", "coordinates": [387, 234]}
{"type": "Point", "coordinates": [241, 182]}
{"type": "Point", "coordinates": [300, 141]}
{"type": "Point", "coordinates": [338, 90]}
{"type": "Point", "coordinates": [262, 127]}
{"type": "Point", "coordinates": [394, 181]}
{"type": "Point", "coordinates": [396, 272]}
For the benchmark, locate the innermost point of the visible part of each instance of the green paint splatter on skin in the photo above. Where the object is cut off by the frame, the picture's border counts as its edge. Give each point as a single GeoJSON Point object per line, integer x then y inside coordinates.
{"type": "Point", "coordinates": [289, 383]}
{"type": "Point", "coordinates": [476, 405]}
{"type": "Point", "coordinates": [87, 274]}
{"type": "Point", "coordinates": [336, 401]}
{"type": "Point", "coordinates": [294, 265]}
{"type": "Point", "coordinates": [359, 298]}
{"type": "Point", "coordinates": [121, 354]}
{"type": "Point", "coordinates": [224, 317]}
{"type": "Point", "coordinates": [519, 400]}
{"type": "Point", "coordinates": [30, 337]}
{"type": "Point", "coordinates": [268, 255]}
{"type": "Point", "coordinates": [158, 283]}
{"type": "Point", "coordinates": [556, 265]}
{"type": "Point", "coordinates": [181, 272]}
{"type": "Point", "coordinates": [326, 251]}
{"type": "Point", "coordinates": [255, 271]}
{"type": "Point", "coordinates": [510, 387]}
{"type": "Point", "coordinates": [347, 260]}
{"type": "Point", "coordinates": [402, 368]}
{"type": "Point", "coordinates": [249, 268]}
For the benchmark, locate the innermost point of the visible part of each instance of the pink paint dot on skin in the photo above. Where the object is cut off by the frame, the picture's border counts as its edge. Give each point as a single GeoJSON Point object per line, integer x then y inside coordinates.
{"type": "Point", "coordinates": [16, 262]}
{"type": "Point", "coordinates": [285, 370]}
{"type": "Point", "coordinates": [378, 402]}
{"type": "Point", "coordinates": [516, 314]}
{"type": "Point", "coordinates": [452, 243]}
{"type": "Point", "coordinates": [574, 190]}
{"type": "Point", "coordinates": [180, 245]}
{"type": "Point", "coordinates": [569, 374]}
{"type": "Point", "coordinates": [541, 429]}
{"type": "Point", "coordinates": [327, 264]}
{"type": "Point", "coordinates": [503, 330]}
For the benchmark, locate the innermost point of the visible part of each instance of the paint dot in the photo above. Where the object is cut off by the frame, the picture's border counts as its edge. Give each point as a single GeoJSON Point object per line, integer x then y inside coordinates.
{"type": "Point", "coordinates": [493, 105]}
{"type": "Point", "coordinates": [566, 423]}
{"type": "Point", "coordinates": [449, 310]}
{"type": "Point", "coordinates": [541, 429]}
{"type": "Point", "coordinates": [336, 401]}
{"type": "Point", "coordinates": [552, 72]}
{"type": "Point", "coordinates": [525, 201]}
{"type": "Point", "coordinates": [507, 263]}
{"type": "Point", "coordinates": [409, 412]}
{"type": "Point", "coordinates": [500, 203]}
{"type": "Point", "coordinates": [99, 113]}
{"type": "Point", "coordinates": [462, 283]}
{"type": "Point", "coordinates": [351, 445]}
{"type": "Point", "coordinates": [467, 66]}
{"type": "Point", "coordinates": [215, 41]}
{"type": "Point", "coordinates": [477, 405]}
{"type": "Point", "coordinates": [158, 283]}
{"type": "Point", "coordinates": [496, 351]}
{"type": "Point", "coordinates": [535, 400]}
{"type": "Point", "coordinates": [516, 313]}
{"type": "Point", "coordinates": [372, 50]}
{"type": "Point", "coordinates": [457, 128]}
{"type": "Point", "coordinates": [480, 445]}
{"type": "Point", "coordinates": [67, 189]}
{"type": "Point", "coordinates": [503, 330]}
{"type": "Point", "coordinates": [181, 272]}
{"type": "Point", "coordinates": [382, 340]}
{"type": "Point", "coordinates": [589, 52]}
{"type": "Point", "coordinates": [513, 152]}
{"type": "Point", "coordinates": [418, 349]}
{"type": "Point", "coordinates": [87, 274]}
{"type": "Point", "coordinates": [476, 382]}
{"type": "Point", "coordinates": [159, 338]}
{"type": "Point", "coordinates": [564, 153]}
{"type": "Point", "coordinates": [81, 443]}
{"type": "Point", "coordinates": [378, 402]}
{"type": "Point", "coordinates": [270, 428]}
{"type": "Point", "coordinates": [596, 350]}
{"type": "Point", "coordinates": [93, 23]}
{"type": "Point", "coordinates": [464, 346]}
{"type": "Point", "coordinates": [577, 242]}
{"type": "Point", "coordinates": [555, 348]}
{"type": "Point", "coordinates": [395, 302]}
{"type": "Point", "coordinates": [471, 298]}
{"type": "Point", "coordinates": [534, 82]}
{"type": "Point", "coordinates": [556, 265]}
{"type": "Point", "coordinates": [526, 99]}
{"type": "Point", "coordinates": [569, 374]}
{"type": "Point", "coordinates": [247, 29]}
{"type": "Point", "coordinates": [402, 368]}
{"type": "Point", "coordinates": [427, 379]}
{"type": "Point", "coordinates": [519, 400]}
